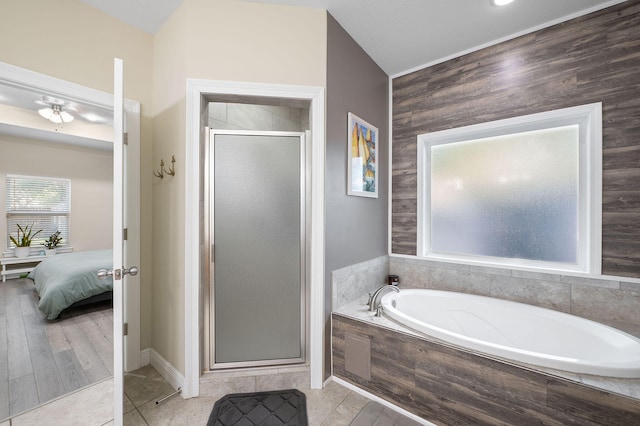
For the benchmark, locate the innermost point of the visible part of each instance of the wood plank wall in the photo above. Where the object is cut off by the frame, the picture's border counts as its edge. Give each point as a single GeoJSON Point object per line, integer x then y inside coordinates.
{"type": "Point", "coordinates": [594, 58]}
{"type": "Point", "coordinates": [450, 387]}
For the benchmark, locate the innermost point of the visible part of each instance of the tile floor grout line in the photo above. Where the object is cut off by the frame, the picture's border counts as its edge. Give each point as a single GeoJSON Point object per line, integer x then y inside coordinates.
{"type": "Point", "coordinates": [143, 417]}
{"type": "Point", "coordinates": [336, 407]}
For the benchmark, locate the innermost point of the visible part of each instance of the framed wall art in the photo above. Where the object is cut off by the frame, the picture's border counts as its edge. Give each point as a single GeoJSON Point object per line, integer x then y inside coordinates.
{"type": "Point", "coordinates": [362, 162]}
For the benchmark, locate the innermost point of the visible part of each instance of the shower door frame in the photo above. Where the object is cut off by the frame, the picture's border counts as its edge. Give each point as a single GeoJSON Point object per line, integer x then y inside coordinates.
{"type": "Point", "coordinates": [305, 200]}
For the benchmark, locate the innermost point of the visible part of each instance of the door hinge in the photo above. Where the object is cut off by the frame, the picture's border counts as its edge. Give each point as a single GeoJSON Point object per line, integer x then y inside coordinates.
{"type": "Point", "coordinates": [125, 233]}
{"type": "Point", "coordinates": [125, 329]}
{"type": "Point", "coordinates": [125, 138]}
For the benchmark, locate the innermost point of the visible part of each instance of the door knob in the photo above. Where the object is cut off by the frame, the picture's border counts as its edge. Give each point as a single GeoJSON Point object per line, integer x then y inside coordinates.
{"type": "Point", "coordinates": [103, 273]}
{"type": "Point", "coordinates": [133, 271]}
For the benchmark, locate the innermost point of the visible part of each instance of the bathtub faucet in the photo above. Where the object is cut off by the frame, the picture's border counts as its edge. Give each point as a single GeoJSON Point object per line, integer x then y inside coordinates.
{"type": "Point", "coordinates": [373, 306]}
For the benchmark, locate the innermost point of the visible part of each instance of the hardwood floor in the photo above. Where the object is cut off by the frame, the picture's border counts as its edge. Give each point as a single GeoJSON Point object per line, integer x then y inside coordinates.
{"type": "Point", "coordinates": [40, 359]}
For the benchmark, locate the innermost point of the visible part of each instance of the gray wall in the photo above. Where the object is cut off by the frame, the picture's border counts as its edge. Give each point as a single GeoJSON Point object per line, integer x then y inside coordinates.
{"type": "Point", "coordinates": [356, 227]}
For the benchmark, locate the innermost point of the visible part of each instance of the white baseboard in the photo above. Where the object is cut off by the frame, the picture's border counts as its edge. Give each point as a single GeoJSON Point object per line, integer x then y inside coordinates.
{"type": "Point", "coordinates": [166, 370]}
{"type": "Point", "coordinates": [381, 401]}
{"type": "Point", "coordinates": [326, 382]}
{"type": "Point", "coordinates": [145, 357]}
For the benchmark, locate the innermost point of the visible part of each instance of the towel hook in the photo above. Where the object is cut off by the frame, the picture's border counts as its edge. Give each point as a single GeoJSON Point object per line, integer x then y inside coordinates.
{"type": "Point", "coordinates": [171, 171]}
{"type": "Point", "coordinates": [160, 173]}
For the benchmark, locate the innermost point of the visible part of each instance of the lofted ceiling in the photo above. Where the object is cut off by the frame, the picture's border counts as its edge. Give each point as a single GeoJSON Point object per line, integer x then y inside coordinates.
{"type": "Point", "coordinates": [401, 35]}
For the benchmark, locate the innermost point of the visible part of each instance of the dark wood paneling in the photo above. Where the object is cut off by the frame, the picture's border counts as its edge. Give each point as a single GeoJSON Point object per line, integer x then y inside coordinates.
{"type": "Point", "coordinates": [450, 387]}
{"type": "Point", "coordinates": [591, 405]}
{"type": "Point", "coordinates": [594, 58]}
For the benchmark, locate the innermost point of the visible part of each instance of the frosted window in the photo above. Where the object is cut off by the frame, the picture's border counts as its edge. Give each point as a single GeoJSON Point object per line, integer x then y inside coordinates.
{"type": "Point", "coordinates": [513, 196]}
{"type": "Point", "coordinates": [520, 192]}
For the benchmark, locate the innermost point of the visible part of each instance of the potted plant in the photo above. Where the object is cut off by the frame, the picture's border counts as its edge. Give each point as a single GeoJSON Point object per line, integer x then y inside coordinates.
{"type": "Point", "coordinates": [51, 243]}
{"type": "Point", "coordinates": [23, 240]}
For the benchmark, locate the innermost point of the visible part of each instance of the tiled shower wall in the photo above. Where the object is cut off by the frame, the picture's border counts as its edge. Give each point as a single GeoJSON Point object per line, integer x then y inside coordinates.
{"type": "Point", "coordinates": [615, 301]}
{"type": "Point", "coordinates": [236, 116]}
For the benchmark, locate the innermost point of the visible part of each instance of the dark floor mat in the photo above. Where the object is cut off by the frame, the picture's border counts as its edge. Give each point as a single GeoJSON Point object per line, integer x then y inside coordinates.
{"type": "Point", "coordinates": [274, 408]}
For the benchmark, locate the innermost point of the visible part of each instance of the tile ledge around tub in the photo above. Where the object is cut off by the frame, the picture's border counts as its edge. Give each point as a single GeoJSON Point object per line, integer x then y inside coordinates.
{"type": "Point", "coordinates": [358, 310]}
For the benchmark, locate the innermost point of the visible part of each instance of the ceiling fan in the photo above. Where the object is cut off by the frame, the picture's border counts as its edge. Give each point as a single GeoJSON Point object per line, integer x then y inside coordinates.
{"type": "Point", "coordinates": [56, 110]}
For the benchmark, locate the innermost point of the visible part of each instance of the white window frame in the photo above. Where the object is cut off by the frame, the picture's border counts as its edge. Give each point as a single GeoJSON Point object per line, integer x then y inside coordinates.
{"type": "Point", "coordinates": [589, 119]}
{"type": "Point", "coordinates": [44, 234]}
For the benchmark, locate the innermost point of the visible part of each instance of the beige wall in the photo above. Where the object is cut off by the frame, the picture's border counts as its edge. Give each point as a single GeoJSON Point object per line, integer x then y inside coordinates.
{"type": "Point", "coordinates": [210, 39]}
{"type": "Point", "coordinates": [91, 175]}
{"type": "Point", "coordinates": [216, 40]}
{"type": "Point", "coordinates": [69, 40]}
{"type": "Point", "coordinates": [72, 41]}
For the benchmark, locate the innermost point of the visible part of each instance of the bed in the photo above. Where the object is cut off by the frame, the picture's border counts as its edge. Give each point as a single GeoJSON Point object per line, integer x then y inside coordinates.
{"type": "Point", "coordinates": [71, 278]}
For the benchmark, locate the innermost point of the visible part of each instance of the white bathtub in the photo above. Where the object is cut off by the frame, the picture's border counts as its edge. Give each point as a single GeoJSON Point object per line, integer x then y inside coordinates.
{"type": "Point", "coordinates": [518, 332]}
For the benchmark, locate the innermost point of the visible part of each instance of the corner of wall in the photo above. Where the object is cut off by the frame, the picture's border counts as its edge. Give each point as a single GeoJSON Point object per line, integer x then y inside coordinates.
{"type": "Point", "coordinates": [350, 283]}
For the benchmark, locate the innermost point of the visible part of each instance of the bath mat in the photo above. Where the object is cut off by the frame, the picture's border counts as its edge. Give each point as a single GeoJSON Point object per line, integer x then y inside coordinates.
{"type": "Point", "coordinates": [273, 408]}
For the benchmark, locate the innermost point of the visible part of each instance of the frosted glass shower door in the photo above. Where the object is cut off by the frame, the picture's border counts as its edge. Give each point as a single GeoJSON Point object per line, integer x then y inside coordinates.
{"type": "Point", "coordinates": [258, 237]}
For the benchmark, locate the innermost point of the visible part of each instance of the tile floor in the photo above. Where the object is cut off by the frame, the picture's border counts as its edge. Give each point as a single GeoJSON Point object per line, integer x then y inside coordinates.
{"type": "Point", "coordinates": [335, 405]}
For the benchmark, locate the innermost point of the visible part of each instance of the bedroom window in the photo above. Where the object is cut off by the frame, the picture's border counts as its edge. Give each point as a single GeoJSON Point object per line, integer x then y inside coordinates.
{"type": "Point", "coordinates": [42, 202]}
{"type": "Point", "coordinates": [517, 193]}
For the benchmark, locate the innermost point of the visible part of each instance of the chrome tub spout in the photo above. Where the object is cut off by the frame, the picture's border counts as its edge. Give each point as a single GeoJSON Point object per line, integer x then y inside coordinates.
{"type": "Point", "coordinates": [373, 297]}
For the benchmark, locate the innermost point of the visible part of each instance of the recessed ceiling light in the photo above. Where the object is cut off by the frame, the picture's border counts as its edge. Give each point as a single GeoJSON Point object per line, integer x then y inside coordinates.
{"type": "Point", "coordinates": [501, 2]}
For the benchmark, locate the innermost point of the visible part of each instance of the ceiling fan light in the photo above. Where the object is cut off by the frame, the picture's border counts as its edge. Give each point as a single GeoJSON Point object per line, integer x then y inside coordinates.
{"type": "Point", "coordinates": [54, 112]}
{"type": "Point", "coordinates": [55, 118]}
{"type": "Point", "coordinates": [66, 117]}
{"type": "Point", "coordinates": [45, 112]}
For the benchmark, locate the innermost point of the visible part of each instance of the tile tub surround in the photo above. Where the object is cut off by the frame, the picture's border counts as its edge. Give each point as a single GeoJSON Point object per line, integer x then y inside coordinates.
{"type": "Point", "coordinates": [614, 302]}
{"type": "Point", "coordinates": [451, 386]}
{"type": "Point", "coordinates": [351, 282]}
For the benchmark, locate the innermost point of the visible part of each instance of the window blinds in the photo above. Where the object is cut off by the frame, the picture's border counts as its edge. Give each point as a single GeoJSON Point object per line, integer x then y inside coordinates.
{"type": "Point", "coordinates": [41, 202]}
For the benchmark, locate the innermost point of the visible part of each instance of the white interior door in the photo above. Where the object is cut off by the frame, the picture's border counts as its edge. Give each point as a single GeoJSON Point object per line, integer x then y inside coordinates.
{"type": "Point", "coordinates": [118, 241]}
{"type": "Point", "coordinates": [126, 239]}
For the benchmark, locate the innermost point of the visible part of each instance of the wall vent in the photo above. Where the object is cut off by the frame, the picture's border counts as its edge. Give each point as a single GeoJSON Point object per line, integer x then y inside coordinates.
{"type": "Point", "coordinates": [357, 355]}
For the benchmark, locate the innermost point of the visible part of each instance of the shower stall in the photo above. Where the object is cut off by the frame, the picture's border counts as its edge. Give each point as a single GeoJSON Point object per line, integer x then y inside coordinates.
{"type": "Point", "coordinates": [257, 213]}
